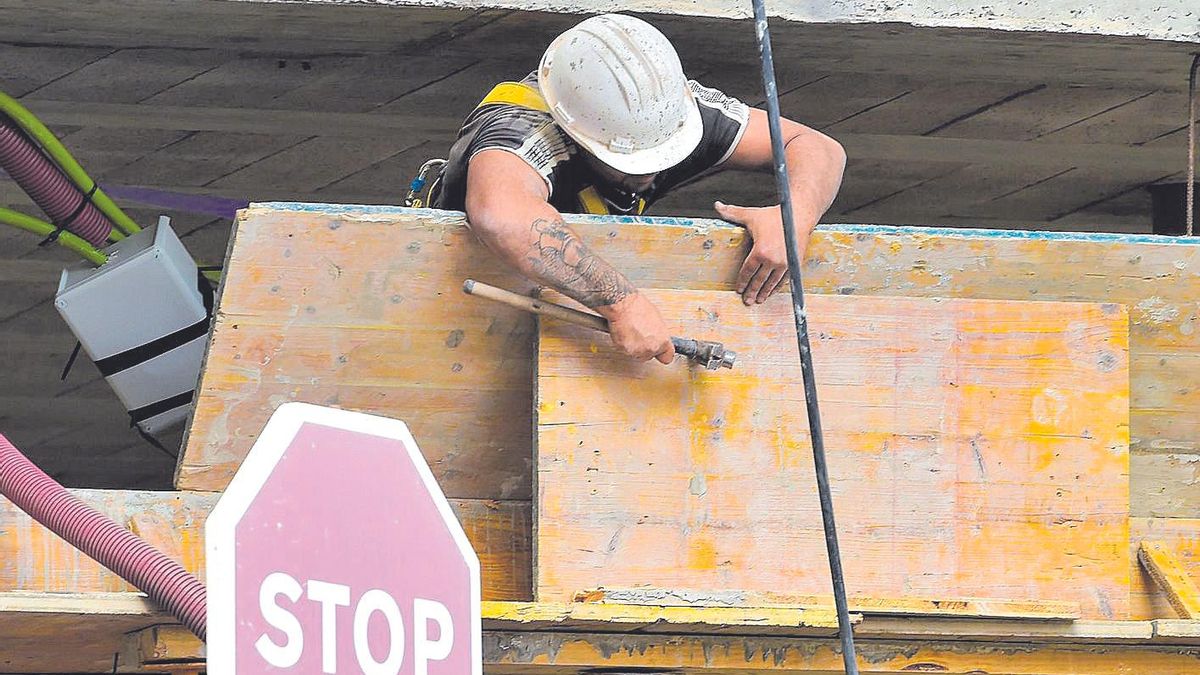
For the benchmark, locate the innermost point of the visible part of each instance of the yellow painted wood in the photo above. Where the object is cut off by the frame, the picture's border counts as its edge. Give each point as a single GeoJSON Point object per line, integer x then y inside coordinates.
{"type": "Point", "coordinates": [34, 559]}
{"type": "Point", "coordinates": [648, 618]}
{"type": "Point", "coordinates": [86, 629]}
{"type": "Point", "coordinates": [567, 653]}
{"type": "Point", "coordinates": [873, 606]}
{"type": "Point", "coordinates": [975, 447]}
{"type": "Point", "coordinates": [1172, 578]}
{"type": "Point", "coordinates": [1181, 537]}
{"type": "Point", "coordinates": [303, 289]}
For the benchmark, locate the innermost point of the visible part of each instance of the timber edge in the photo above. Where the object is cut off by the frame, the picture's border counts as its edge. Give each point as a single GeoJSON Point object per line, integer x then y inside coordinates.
{"type": "Point", "coordinates": [532, 638]}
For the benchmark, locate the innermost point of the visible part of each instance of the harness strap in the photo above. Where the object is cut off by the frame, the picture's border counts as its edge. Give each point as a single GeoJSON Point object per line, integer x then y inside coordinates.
{"type": "Point", "coordinates": [525, 96]}
{"type": "Point", "coordinates": [515, 93]}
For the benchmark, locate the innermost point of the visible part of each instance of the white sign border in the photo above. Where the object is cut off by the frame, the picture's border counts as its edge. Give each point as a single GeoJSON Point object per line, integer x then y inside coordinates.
{"type": "Point", "coordinates": [265, 454]}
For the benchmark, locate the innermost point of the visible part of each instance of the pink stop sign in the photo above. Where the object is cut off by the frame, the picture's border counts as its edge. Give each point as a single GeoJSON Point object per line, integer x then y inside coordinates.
{"type": "Point", "coordinates": [334, 551]}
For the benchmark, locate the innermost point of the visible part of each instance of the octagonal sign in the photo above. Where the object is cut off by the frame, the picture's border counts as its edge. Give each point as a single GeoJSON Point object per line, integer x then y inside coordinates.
{"type": "Point", "coordinates": [334, 551]}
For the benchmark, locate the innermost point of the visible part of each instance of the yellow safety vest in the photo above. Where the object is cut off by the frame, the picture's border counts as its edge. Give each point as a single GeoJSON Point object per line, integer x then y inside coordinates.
{"type": "Point", "coordinates": [525, 96]}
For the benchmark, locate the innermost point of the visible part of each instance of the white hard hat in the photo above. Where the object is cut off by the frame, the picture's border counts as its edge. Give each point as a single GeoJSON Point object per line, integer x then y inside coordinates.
{"type": "Point", "coordinates": [614, 84]}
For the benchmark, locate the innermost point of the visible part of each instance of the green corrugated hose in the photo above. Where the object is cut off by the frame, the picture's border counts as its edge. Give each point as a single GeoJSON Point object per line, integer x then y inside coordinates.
{"type": "Point", "coordinates": [50, 143]}
{"type": "Point", "coordinates": [41, 227]}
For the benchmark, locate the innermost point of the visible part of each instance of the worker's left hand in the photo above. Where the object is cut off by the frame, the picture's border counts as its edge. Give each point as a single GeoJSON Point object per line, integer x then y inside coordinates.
{"type": "Point", "coordinates": [766, 266]}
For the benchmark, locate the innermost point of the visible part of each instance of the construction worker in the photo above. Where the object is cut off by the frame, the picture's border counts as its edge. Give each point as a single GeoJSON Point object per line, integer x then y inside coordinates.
{"type": "Point", "coordinates": [607, 124]}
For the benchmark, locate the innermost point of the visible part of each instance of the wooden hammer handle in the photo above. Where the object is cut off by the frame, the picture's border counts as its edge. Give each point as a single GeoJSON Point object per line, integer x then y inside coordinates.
{"type": "Point", "coordinates": [585, 319]}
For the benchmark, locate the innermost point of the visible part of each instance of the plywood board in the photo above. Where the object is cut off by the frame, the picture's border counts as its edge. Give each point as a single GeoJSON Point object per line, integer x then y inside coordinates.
{"type": "Point", "coordinates": [977, 448]}
{"type": "Point", "coordinates": [33, 559]}
{"type": "Point", "coordinates": [382, 284]}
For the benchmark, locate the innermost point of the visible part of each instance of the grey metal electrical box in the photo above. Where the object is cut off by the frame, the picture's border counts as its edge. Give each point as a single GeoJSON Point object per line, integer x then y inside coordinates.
{"type": "Point", "coordinates": [142, 318]}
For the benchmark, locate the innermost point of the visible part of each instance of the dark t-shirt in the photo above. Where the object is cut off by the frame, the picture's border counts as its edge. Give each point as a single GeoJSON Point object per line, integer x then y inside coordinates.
{"type": "Point", "coordinates": [533, 136]}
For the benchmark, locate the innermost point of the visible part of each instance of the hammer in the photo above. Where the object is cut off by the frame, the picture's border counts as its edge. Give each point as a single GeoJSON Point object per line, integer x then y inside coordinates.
{"type": "Point", "coordinates": [711, 355]}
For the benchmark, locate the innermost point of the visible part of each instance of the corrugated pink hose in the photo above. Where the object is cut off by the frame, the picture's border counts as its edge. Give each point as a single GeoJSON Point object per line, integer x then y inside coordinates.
{"type": "Point", "coordinates": [49, 188]}
{"type": "Point", "coordinates": [118, 549]}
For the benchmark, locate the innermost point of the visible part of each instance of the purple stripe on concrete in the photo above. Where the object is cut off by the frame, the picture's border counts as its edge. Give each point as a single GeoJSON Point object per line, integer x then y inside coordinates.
{"type": "Point", "coordinates": [220, 207]}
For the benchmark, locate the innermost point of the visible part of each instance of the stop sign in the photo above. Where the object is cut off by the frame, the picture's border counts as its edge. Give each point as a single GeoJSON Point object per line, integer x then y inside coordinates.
{"type": "Point", "coordinates": [334, 551]}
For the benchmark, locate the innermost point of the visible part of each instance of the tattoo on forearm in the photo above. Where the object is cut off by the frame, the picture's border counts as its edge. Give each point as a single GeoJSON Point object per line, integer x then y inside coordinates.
{"type": "Point", "coordinates": [559, 257]}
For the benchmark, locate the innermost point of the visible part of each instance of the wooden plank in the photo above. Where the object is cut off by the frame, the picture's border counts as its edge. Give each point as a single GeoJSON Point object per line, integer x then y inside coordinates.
{"type": "Point", "coordinates": [1002, 630]}
{"type": "Point", "coordinates": [89, 628]}
{"type": "Point", "coordinates": [996, 608]}
{"type": "Point", "coordinates": [1178, 631]}
{"type": "Point", "coordinates": [626, 618]}
{"type": "Point", "coordinates": [979, 448]}
{"type": "Point", "coordinates": [167, 645]}
{"type": "Point", "coordinates": [1171, 577]}
{"type": "Point", "coordinates": [173, 643]}
{"type": "Point", "coordinates": [69, 632]}
{"type": "Point", "coordinates": [277, 249]}
{"type": "Point", "coordinates": [32, 559]}
{"type": "Point", "coordinates": [516, 653]}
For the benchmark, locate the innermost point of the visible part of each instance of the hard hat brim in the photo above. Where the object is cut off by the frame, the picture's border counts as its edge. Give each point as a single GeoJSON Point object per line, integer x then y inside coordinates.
{"type": "Point", "coordinates": [646, 161]}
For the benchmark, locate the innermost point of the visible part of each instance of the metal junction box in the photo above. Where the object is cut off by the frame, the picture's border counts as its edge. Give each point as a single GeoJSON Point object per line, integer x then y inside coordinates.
{"type": "Point", "coordinates": [143, 319]}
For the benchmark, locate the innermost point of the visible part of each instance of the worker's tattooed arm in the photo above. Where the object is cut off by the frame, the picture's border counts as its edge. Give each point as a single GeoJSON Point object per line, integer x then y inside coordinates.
{"type": "Point", "coordinates": [560, 258]}
{"type": "Point", "coordinates": [508, 210]}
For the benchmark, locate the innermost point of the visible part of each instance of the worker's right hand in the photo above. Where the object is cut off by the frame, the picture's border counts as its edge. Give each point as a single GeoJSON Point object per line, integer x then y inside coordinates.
{"type": "Point", "coordinates": [638, 329]}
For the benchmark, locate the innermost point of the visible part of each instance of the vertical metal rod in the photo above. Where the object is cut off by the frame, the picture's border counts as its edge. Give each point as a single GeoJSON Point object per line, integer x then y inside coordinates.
{"type": "Point", "coordinates": [801, 318]}
{"type": "Point", "coordinates": [1191, 171]}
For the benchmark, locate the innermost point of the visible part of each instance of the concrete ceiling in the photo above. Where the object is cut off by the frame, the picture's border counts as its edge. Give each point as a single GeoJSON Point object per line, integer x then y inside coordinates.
{"type": "Point", "coordinates": [238, 101]}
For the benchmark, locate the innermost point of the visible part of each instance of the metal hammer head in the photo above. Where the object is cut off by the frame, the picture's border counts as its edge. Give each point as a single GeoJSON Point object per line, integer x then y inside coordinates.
{"type": "Point", "coordinates": [711, 355]}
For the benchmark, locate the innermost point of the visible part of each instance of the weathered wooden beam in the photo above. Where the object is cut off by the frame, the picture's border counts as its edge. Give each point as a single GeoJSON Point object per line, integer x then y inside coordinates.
{"type": "Point", "coordinates": [534, 639]}
{"type": "Point", "coordinates": [548, 623]}
{"type": "Point", "coordinates": [1171, 577]}
{"type": "Point", "coordinates": [560, 653]}
{"type": "Point", "coordinates": [34, 559]}
{"type": "Point", "coordinates": [69, 632]}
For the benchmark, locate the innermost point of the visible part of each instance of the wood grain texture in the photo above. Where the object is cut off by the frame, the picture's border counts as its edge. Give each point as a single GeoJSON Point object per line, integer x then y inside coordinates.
{"type": "Point", "coordinates": [1043, 610]}
{"type": "Point", "coordinates": [69, 632]}
{"type": "Point", "coordinates": [516, 653]}
{"type": "Point", "coordinates": [382, 287]}
{"type": "Point", "coordinates": [1181, 537]}
{"type": "Point", "coordinates": [33, 559]}
{"type": "Point", "coordinates": [975, 447]}
{"type": "Point", "coordinates": [533, 639]}
{"type": "Point", "coordinates": [1171, 577]}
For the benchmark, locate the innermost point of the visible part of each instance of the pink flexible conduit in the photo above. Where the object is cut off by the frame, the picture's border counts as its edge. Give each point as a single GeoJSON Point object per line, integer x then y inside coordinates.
{"type": "Point", "coordinates": [49, 188]}
{"type": "Point", "coordinates": [118, 549]}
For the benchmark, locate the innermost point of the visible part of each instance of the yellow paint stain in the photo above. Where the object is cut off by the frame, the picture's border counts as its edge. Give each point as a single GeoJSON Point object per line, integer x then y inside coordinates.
{"type": "Point", "coordinates": [702, 555]}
